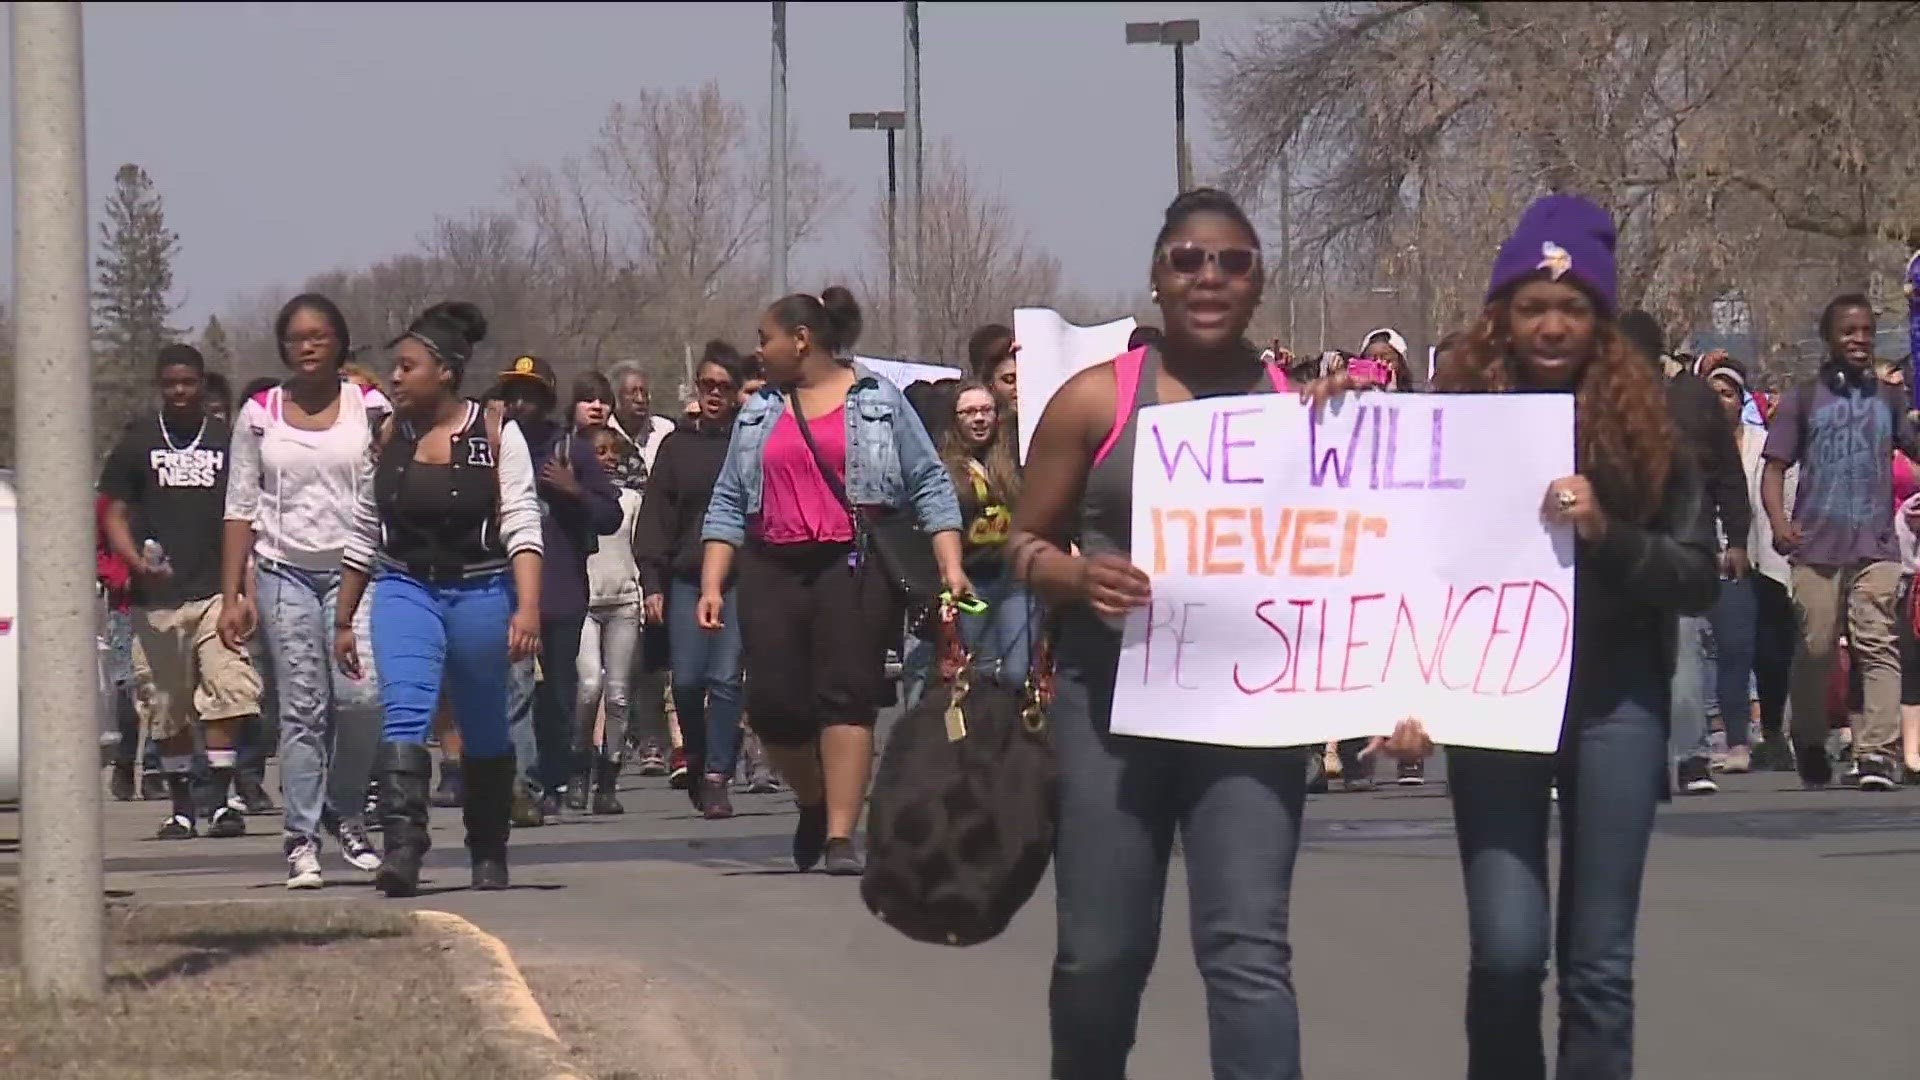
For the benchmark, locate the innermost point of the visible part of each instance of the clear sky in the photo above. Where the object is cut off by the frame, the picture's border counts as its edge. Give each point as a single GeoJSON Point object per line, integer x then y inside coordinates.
{"type": "Point", "coordinates": [289, 139]}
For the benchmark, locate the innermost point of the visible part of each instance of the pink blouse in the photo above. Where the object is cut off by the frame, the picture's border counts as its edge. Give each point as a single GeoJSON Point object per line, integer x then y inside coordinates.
{"type": "Point", "coordinates": [796, 505]}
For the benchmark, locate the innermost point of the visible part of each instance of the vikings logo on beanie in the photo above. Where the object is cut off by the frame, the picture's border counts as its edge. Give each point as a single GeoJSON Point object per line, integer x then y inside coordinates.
{"type": "Point", "coordinates": [1564, 237]}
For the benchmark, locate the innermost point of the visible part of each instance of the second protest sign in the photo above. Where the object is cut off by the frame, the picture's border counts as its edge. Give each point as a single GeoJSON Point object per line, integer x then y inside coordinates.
{"type": "Point", "coordinates": [1319, 579]}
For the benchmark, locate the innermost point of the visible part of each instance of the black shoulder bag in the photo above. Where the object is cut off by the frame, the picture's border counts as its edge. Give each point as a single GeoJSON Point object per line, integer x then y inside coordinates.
{"type": "Point", "coordinates": [961, 822]}
{"type": "Point", "coordinates": [889, 538]}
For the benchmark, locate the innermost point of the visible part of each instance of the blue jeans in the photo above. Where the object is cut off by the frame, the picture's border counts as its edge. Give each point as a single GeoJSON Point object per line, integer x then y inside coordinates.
{"type": "Point", "coordinates": [329, 723]}
{"type": "Point", "coordinates": [454, 636]}
{"type": "Point", "coordinates": [1001, 640]}
{"type": "Point", "coordinates": [526, 747]}
{"type": "Point", "coordinates": [1121, 799]}
{"type": "Point", "coordinates": [1688, 732]}
{"type": "Point", "coordinates": [1611, 771]}
{"type": "Point", "coordinates": [706, 677]}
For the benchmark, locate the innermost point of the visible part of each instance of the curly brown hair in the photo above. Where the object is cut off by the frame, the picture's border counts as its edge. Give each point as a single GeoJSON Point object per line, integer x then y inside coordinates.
{"type": "Point", "coordinates": [1624, 437]}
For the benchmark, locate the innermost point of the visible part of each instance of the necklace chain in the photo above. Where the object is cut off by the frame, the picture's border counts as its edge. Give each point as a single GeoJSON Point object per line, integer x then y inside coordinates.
{"type": "Point", "coordinates": [167, 437]}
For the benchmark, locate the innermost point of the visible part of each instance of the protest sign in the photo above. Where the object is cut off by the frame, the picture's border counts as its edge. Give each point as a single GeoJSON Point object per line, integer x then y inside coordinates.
{"type": "Point", "coordinates": [904, 373]}
{"type": "Point", "coordinates": [1325, 579]}
{"type": "Point", "coordinates": [1053, 350]}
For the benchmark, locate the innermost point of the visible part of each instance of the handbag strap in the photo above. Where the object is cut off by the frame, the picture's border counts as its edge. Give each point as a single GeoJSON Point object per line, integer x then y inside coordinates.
{"type": "Point", "coordinates": [819, 461]}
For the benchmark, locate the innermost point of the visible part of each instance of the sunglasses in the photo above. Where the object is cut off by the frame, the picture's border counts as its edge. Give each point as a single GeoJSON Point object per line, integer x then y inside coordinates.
{"type": "Point", "coordinates": [714, 386]}
{"type": "Point", "coordinates": [1235, 262]}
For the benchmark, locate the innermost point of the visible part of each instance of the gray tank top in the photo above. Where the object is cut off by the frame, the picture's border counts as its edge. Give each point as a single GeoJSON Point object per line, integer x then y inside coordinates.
{"type": "Point", "coordinates": [1089, 646]}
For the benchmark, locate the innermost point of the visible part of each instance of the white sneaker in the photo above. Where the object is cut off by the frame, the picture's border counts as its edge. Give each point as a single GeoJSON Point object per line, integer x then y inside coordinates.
{"type": "Point", "coordinates": [357, 848]}
{"type": "Point", "coordinates": [303, 865]}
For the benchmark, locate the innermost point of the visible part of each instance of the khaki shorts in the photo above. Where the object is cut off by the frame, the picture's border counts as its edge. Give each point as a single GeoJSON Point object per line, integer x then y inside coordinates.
{"type": "Point", "coordinates": [183, 673]}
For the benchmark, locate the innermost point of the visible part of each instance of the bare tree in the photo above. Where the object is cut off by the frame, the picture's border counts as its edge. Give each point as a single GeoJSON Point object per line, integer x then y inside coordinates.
{"type": "Point", "coordinates": [688, 171]}
{"type": "Point", "coordinates": [1737, 145]}
{"type": "Point", "coordinates": [976, 264]}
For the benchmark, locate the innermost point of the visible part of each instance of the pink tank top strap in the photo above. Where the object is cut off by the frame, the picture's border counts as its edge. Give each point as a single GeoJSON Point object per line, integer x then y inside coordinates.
{"type": "Point", "coordinates": [1278, 375]}
{"type": "Point", "coordinates": [1126, 388]}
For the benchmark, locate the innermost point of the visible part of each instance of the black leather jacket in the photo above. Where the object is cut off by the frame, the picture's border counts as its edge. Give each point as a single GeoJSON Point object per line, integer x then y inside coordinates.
{"type": "Point", "coordinates": [1631, 588]}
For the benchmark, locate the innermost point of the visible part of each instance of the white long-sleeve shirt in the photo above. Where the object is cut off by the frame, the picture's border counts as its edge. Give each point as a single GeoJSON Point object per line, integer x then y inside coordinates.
{"type": "Point", "coordinates": [297, 487]}
{"type": "Point", "coordinates": [613, 578]}
{"type": "Point", "coordinates": [519, 516]}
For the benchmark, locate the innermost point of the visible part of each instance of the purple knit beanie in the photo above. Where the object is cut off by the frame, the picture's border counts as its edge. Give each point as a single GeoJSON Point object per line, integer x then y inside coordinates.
{"type": "Point", "coordinates": [1565, 236]}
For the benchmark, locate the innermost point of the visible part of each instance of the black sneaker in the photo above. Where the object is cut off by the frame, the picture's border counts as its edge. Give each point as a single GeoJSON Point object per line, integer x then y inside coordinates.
{"type": "Point", "coordinates": [121, 783]}
{"type": "Point", "coordinates": [153, 786]}
{"type": "Point", "coordinates": [1816, 769]}
{"type": "Point", "coordinates": [252, 794]}
{"type": "Point", "coordinates": [1772, 755]}
{"type": "Point", "coordinates": [1695, 777]}
{"type": "Point", "coordinates": [810, 835]}
{"type": "Point", "coordinates": [177, 827]}
{"type": "Point", "coordinates": [1411, 774]}
{"type": "Point", "coordinates": [226, 823]}
{"type": "Point", "coordinates": [843, 858]}
{"type": "Point", "coordinates": [1877, 773]}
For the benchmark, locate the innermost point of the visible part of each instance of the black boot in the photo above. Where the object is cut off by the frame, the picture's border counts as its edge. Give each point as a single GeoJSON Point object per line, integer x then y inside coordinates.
{"type": "Point", "coordinates": [578, 790]}
{"type": "Point", "coordinates": [452, 791]}
{"type": "Point", "coordinates": [406, 772]}
{"type": "Point", "coordinates": [488, 816]}
{"type": "Point", "coordinates": [606, 787]}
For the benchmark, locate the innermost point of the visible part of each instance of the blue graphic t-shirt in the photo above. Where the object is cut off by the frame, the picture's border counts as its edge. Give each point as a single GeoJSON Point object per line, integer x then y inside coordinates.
{"type": "Point", "coordinates": [1844, 503]}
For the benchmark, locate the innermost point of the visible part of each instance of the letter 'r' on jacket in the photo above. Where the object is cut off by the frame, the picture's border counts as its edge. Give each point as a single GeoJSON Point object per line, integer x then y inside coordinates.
{"type": "Point", "coordinates": [891, 462]}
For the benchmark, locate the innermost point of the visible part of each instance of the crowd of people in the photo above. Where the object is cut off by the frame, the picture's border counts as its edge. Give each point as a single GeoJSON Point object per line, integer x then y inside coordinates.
{"type": "Point", "coordinates": [553, 583]}
{"type": "Point", "coordinates": [350, 570]}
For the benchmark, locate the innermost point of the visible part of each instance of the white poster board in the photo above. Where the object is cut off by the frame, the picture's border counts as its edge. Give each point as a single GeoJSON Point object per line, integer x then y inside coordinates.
{"type": "Point", "coordinates": [1053, 350]}
{"type": "Point", "coordinates": [1317, 580]}
{"type": "Point", "coordinates": [904, 373]}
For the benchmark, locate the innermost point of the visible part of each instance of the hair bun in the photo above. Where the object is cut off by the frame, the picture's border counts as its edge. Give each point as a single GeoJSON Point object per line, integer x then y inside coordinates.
{"type": "Point", "coordinates": [463, 317]}
{"type": "Point", "coordinates": [843, 313]}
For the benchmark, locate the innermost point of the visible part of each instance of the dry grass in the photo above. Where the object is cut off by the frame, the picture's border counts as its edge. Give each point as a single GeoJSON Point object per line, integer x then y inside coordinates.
{"type": "Point", "coordinates": [324, 991]}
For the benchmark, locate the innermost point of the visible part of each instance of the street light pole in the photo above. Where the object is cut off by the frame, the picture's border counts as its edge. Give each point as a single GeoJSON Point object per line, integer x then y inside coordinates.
{"type": "Point", "coordinates": [777, 165]}
{"type": "Point", "coordinates": [1180, 33]}
{"type": "Point", "coordinates": [891, 123]}
{"type": "Point", "coordinates": [62, 917]}
{"type": "Point", "coordinates": [910, 27]}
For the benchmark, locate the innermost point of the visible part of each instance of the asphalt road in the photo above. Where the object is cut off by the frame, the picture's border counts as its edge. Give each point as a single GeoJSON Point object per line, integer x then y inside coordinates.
{"type": "Point", "coordinates": [1780, 938]}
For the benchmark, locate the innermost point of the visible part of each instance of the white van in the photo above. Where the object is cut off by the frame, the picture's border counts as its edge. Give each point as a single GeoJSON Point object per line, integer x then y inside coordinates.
{"type": "Point", "coordinates": [10, 630]}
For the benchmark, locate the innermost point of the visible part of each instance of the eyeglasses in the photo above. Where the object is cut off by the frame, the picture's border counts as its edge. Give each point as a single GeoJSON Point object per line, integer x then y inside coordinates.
{"type": "Point", "coordinates": [976, 410]}
{"type": "Point", "coordinates": [322, 338]}
{"type": "Point", "coordinates": [714, 386]}
{"type": "Point", "coordinates": [1190, 259]}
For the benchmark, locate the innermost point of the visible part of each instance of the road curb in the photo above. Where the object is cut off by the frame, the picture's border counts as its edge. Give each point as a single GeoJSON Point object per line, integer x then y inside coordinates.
{"type": "Point", "coordinates": [511, 1017]}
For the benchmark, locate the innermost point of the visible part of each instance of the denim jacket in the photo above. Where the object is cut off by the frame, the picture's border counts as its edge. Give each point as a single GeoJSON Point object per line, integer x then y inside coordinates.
{"type": "Point", "coordinates": [890, 461]}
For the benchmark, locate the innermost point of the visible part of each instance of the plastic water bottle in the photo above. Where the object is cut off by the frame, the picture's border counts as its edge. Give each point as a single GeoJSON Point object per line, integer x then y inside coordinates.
{"type": "Point", "coordinates": [154, 554]}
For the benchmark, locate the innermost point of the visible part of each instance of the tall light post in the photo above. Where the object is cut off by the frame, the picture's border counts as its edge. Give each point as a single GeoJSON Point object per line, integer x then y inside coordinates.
{"type": "Point", "coordinates": [777, 155]}
{"type": "Point", "coordinates": [889, 122]}
{"type": "Point", "coordinates": [1179, 34]}
{"type": "Point", "coordinates": [62, 915]}
{"type": "Point", "coordinates": [910, 39]}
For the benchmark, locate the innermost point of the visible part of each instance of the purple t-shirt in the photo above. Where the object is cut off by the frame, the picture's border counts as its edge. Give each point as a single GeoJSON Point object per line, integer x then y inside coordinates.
{"type": "Point", "coordinates": [1844, 502]}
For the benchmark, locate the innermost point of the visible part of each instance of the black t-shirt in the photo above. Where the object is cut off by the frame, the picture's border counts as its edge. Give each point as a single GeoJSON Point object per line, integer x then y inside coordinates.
{"type": "Point", "coordinates": [176, 488]}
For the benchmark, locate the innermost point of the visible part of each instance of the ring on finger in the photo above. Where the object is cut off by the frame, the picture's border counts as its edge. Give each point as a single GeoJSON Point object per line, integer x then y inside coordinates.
{"type": "Point", "coordinates": [1566, 499]}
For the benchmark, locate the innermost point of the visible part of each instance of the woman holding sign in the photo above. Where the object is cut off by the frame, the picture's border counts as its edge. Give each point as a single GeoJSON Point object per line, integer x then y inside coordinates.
{"type": "Point", "coordinates": [1644, 554]}
{"type": "Point", "coordinates": [1121, 798]}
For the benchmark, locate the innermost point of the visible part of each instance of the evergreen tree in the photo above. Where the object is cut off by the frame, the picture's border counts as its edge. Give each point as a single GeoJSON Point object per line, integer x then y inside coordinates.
{"type": "Point", "coordinates": [213, 346]}
{"type": "Point", "coordinates": [132, 300]}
